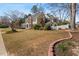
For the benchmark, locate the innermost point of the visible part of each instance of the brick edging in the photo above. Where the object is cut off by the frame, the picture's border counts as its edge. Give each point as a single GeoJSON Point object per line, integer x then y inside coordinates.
{"type": "Point", "coordinates": [51, 51]}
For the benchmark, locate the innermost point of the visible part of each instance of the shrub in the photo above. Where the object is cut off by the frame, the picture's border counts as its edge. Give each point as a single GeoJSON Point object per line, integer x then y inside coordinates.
{"type": "Point", "coordinates": [47, 26]}
{"type": "Point", "coordinates": [54, 24]}
{"type": "Point", "coordinates": [37, 27]}
{"type": "Point", "coordinates": [41, 28]}
{"type": "Point", "coordinates": [62, 23]}
{"type": "Point", "coordinates": [3, 26]}
{"type": "Point", "coordinates": [63, 48]}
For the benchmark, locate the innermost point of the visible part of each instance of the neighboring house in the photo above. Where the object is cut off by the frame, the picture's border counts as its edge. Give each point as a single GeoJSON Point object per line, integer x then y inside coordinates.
{"type": "Point", "coordinates": [4, 20]}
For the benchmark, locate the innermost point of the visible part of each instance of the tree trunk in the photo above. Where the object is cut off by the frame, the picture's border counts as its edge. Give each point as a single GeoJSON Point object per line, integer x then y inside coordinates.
{"type": "Point", "coordinates": [73, 15]}
{"type": "Point", "coordinates": [13, 27]}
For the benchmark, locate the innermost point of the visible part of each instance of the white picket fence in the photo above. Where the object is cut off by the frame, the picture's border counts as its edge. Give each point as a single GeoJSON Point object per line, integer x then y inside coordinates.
{"type": "Point", "coordinates": [60, 27]}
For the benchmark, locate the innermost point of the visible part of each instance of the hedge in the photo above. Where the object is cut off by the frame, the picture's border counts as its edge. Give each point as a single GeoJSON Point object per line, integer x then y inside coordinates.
{"type": "Point", "coordinates": [3, 26]}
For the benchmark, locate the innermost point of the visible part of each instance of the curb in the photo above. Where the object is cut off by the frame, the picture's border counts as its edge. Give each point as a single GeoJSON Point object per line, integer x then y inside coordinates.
{"type": "Point", "coordinates": [51, 51]}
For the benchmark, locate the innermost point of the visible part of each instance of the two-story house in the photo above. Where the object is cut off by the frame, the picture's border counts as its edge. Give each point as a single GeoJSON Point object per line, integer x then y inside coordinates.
{"type": "Point", "coordinates": [32, 20]}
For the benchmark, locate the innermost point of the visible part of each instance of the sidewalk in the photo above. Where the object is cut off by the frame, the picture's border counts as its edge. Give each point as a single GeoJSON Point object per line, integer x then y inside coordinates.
{"type": "Point", "coordinates": [3, 51]}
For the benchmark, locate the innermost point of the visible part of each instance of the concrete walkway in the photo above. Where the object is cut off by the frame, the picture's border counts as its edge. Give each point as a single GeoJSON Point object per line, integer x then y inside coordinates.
{"type": "Point", "coordinates": [3, 51]}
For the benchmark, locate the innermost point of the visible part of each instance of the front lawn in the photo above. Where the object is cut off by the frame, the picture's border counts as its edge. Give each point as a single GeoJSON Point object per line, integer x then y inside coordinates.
{"type": "Point", "coordinates": [31, 42]}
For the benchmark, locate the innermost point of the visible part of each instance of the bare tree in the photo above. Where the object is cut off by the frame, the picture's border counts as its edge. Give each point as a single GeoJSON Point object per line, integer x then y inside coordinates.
{"type": "Point", "coordinates": [73, 15]}
{"type": "Point", "coordinates": [61, 14]}
{"type": "Point", "coordinates": [13, 15]}
{"type": "Point", "coordinates": [70, 8]}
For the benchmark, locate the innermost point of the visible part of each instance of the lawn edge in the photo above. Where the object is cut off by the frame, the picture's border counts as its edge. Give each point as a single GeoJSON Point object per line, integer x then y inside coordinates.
{"type": "Point", "coordinates": [51, 51]}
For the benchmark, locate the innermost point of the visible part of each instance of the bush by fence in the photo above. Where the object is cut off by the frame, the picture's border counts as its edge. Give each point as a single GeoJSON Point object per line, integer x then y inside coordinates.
{"type": "Point", "coordinates": [37, 26]}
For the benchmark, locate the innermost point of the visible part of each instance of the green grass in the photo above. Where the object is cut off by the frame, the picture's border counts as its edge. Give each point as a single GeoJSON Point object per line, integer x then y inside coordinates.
{"type": "Point", "coordinates": [31, 42]}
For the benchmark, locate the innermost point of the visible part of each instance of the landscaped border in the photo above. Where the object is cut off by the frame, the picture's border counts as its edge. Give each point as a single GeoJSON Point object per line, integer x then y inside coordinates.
{"type": "Point", "coordinates": [51, 51]}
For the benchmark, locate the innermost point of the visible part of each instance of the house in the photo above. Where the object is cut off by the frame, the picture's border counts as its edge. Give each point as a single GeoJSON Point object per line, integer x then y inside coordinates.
{"type": "Point", "coordinates": [28, 22]}
{"type": "Point", "coordinates": [32, 20]}
{"type": "Point", "coordinates": [52, 18]}
{"type": "Point", "coordinates": [4, 20]}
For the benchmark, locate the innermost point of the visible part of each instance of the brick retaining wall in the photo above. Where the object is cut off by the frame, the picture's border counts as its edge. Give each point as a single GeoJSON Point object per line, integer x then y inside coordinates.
{"type": "Point", "coordinates": [51, 51]}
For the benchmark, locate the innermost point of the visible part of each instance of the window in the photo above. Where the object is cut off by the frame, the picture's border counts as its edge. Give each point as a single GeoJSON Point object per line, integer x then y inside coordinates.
{"type": "Point", "coordinates": [27, 26]}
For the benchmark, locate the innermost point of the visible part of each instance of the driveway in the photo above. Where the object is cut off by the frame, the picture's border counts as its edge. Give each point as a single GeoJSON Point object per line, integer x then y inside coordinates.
{"type": "Point", "coordinates": [3, 51]}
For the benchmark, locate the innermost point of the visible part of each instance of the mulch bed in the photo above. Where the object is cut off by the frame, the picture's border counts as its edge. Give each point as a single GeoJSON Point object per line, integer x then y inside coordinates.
{"type": "Point", "coordinates": [68, 47]}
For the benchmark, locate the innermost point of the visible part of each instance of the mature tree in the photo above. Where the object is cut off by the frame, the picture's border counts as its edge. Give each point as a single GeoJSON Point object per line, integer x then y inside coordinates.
{"type": "Point", "coordinates": [73, 15]}
{"type": "Point", "coordinates": [41, 19]}
{"type": "Point", "coordinates": [41, 15]}
{"type": "Point", "coordinates": [70, 8]}
{"type": "Point", "coordinates": [30, 19]}
{"type": "Point", "coordinates": [13, 15]}
{"type": "Point", "coordinates": [22, 19]}
{"type": "Point", "coordinates": [40, 7]}
{"type": "Point", "coordinates": [34, 9]}
{"type": "Point", "coordinates": [38, 11]}
{"type": "Point", "coordinates": [60, 10]}
{"type": "Point", "coordinates": [60, 14]}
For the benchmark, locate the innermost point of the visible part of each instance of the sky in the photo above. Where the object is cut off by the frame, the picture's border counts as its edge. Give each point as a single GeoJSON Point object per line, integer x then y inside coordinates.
{"type": "Point", "coordinates": [22, 7]}
{"type": "Point", "coordinates": [26, 8]}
